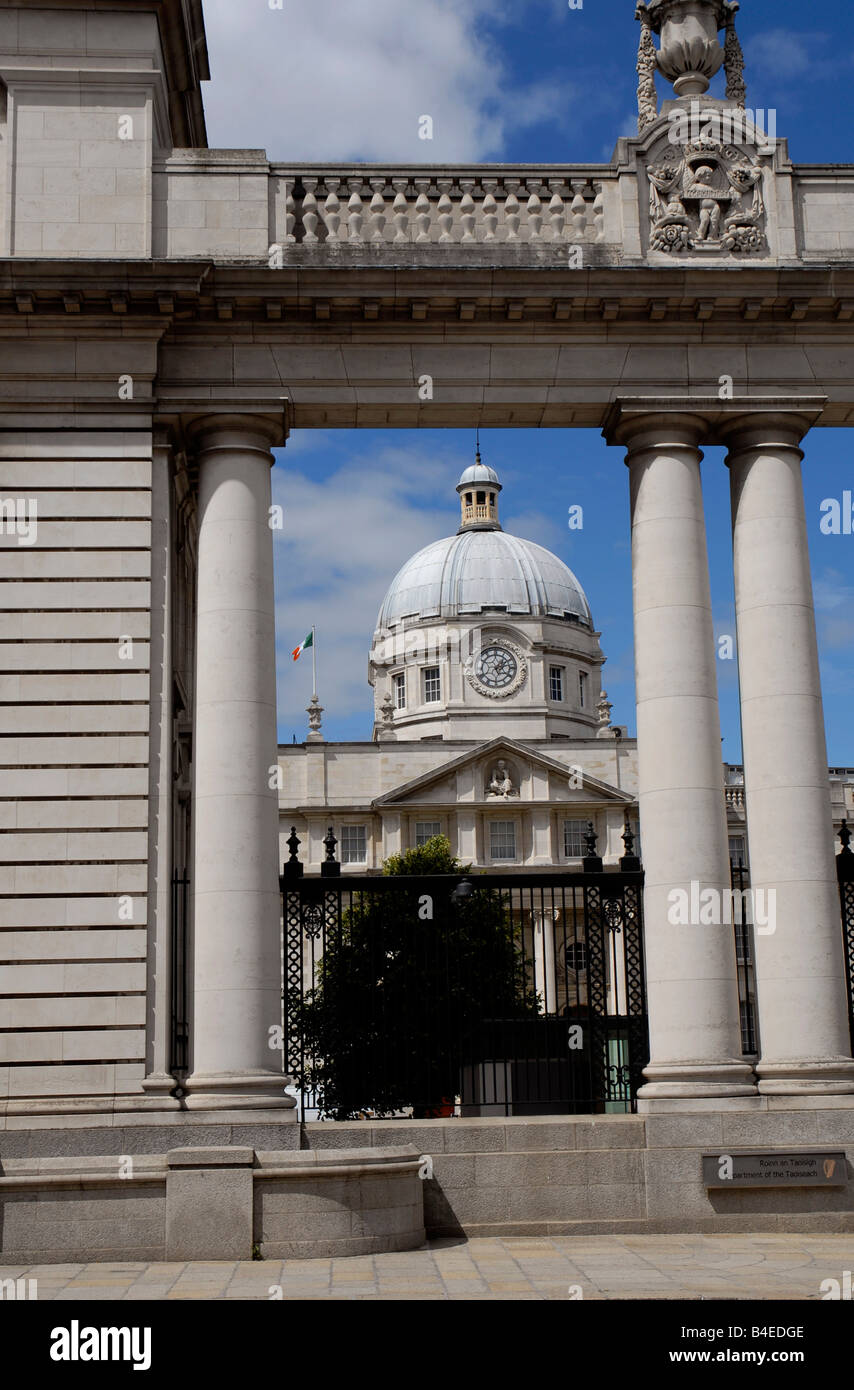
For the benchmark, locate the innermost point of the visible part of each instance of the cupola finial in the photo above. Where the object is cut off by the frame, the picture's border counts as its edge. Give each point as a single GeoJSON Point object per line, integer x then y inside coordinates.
{"type": "Point", "coordinates": [478, 489]}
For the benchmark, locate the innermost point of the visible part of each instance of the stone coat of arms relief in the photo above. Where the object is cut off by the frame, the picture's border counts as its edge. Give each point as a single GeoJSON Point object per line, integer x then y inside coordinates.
{"type": "Point", "coordinates": [706, 197]}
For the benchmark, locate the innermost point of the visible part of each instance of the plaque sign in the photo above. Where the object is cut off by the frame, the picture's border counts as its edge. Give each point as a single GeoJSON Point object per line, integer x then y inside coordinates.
{"type": "Point", "coordinates": [722, 1170]}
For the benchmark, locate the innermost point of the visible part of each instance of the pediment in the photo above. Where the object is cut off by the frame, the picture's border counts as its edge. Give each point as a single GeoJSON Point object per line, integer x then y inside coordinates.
{"type": "Point", "coordinates": [520, 759]}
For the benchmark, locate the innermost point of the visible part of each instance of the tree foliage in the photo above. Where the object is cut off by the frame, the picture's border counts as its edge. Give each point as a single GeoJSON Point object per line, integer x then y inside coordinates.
{"type": "Point", "coordinates": [407, 985]}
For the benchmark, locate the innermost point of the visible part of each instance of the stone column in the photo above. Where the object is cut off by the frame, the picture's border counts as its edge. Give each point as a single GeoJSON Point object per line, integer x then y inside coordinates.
{"type": "Point", "coordinates": [236, 932]}
{"type": "Point", "coordinates": [691, 975]}
{"type": "Point", "coordinates": [803, 1021]}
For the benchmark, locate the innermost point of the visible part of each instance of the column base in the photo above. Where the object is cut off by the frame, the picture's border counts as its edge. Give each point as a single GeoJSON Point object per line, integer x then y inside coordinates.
{"type": "Point", "coordinates": [161, 1085]}
{"type": "Point", "coordinates": [256, 1090]}
{"type": "Point", "coordinates": [697, 1080]}
{"type": "Point", "coordinates": [831, 1076]}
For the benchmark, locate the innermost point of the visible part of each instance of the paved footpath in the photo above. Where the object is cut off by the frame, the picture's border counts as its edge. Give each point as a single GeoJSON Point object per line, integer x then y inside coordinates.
{"type": "Point", "coordinates": [565, 1267]}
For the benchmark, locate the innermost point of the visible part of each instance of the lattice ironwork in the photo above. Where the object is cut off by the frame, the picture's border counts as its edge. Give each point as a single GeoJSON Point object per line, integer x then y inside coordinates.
{"type": "Point", "coordinates": [845, 875]}
{"type": "Point", "coordinates": [506, 994]}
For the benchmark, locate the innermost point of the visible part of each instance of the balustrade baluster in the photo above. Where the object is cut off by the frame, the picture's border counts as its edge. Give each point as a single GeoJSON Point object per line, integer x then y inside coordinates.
{"type": "Point", "coordinates": [445, 209]}
{"type": "Point", "coordinates": [512, 212]}
{"type": "Point", "coordinates": [422, 210]}
{"type": "Point", "coordinates": [309, 211]}
{"type": "Point", "coordinates": [535, 215]}
{"type": "Point", "coordinates": [599, 214]}
{"type": "Point", "coordinates": [557, 212]}
{"type": "Point", "coordinates": [332, 210]}
{"type": "Point", "coordinates": [490, 210]}
{"type": "Point", "coordinates": [400, 210]}
{"type": "Point", "coordinates": [467, 210]}
{"type": "Point", "coordinates": [355, 210]}
{"type": "Point", "coordinates": [377, 210]}
{"type": "Point", "coordinates": [578, 210]}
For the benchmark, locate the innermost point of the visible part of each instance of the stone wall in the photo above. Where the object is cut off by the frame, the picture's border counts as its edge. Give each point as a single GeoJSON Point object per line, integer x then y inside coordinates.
{"type": "Point", "coordinates": [74, 786]}
{"type": "Point", "coordinates": [210, 1203]}
{"type": "Point", "coordinates": [587, 1175]}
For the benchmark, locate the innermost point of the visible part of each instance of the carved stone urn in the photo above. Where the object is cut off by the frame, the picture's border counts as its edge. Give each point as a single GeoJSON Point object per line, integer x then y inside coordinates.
{"type": "Point", "coordinates": [690, 53]}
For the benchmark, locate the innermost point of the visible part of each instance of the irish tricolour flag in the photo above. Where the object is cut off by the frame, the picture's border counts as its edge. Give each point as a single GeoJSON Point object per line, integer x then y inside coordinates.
{"type": "Point", "coordinates": [303, 646]}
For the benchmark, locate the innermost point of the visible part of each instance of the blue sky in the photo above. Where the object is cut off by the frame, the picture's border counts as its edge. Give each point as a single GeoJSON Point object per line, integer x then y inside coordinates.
{"type": "Point", "coordinates": [505, 80]}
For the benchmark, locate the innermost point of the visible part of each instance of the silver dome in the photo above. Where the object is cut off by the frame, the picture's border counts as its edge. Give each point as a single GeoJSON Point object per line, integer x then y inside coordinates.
{"type": "Point", "coordinates": [480, 571]}
{"type": "Point", "coordinates": [479, 473]}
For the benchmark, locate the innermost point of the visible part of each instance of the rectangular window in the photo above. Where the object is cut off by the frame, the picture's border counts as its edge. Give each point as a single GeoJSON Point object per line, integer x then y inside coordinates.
{"type": "Point", "coordinates": [354, 844]}
{"type": "Point", "coordinates": [556, 682]}
{"type": "Point", "coordinates": [736, 849]}
{"type": "Point", "coordinates": [573, 838]}
{"type": "Point", "coordinates": [400, 692]}
{"type": "Point", "coordinates": [502, 839]}
{"type": "Point", "coordinates": [582, 689]}
{"type": "Point", "coordinates": [432, 685]}
{"type": "Point", "coordinates": [425, 830]}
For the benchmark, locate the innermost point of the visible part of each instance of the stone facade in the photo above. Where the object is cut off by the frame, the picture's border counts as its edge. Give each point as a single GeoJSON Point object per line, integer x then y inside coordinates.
{"type": "Point", "coordinates": [168, 314]}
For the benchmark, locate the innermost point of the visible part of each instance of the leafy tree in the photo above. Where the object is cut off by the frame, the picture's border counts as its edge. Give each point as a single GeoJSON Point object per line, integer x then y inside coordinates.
{"type": "Point", "coordinates": [406, 987]}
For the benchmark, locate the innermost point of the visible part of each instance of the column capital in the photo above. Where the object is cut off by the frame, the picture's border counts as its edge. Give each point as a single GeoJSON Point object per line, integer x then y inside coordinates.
{"type": "Point", "coordinates": [777, 423]}
{"type": "Point", "coordinates": [785, 419]}
{"type": "Point", "coordinates": [635, 420]}
{"type": "Point", "coordinates": [227, 429]}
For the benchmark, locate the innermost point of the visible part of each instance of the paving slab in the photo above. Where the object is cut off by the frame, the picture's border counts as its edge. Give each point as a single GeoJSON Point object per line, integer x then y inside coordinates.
{"type": "Point", "coordinates": [762, 1266]}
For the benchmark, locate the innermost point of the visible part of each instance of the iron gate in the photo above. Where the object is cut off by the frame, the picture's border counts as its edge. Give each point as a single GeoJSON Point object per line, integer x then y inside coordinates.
{"type": "Point", "coordinates": [487, 995]}
{"type": "Point", "coordinates": [845, 875]}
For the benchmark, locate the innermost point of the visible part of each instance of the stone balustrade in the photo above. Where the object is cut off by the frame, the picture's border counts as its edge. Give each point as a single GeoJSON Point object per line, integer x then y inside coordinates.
{"type": "Point", "coordinates": [399, 207]}
{"type": "Point", "coordinates": [237, 205]}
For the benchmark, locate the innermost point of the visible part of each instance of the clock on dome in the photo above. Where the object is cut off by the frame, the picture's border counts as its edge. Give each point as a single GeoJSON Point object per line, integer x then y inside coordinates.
{"type": "Point", "coordinates": [496, 667]}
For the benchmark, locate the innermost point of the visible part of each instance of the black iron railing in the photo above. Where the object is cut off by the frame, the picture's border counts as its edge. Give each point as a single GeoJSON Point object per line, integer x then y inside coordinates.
{"type": "Point", "coordinates": [487, 995]}
{"type": "Point", "coordinates": [180, 1030]}
{"type": "Point", "coordinates": [845, 876]}
{"type": "Point", "coordinates": [745, 959]}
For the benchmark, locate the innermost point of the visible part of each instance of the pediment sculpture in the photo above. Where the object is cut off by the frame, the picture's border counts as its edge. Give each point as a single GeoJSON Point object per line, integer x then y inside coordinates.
{"type": "Point", "coordinates": [500, 783]}
{"type": "Point", "coordinates": [706, 197]}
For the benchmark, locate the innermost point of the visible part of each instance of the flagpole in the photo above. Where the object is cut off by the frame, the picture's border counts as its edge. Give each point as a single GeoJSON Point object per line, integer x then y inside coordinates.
{"type": "Point", "coordinates": [314, 661]}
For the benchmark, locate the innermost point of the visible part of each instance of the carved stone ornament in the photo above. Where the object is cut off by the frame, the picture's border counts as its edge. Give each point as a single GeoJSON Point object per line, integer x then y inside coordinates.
{"type": "Point", "coordinates": [500, 782]}
{"type": "Point", "coordinates": [647, 95]}
{"type": "Point", "coordinates": [706, 197]}
{"type": "Point", "coordinates": [736, 89]}
{"type": "Point", "coordinates": [502, 674]}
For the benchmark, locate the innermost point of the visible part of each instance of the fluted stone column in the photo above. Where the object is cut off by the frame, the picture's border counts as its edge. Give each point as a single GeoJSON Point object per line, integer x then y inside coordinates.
{"type": "Point", "coordinates": [691, 969]}
{"type": "Point", "coordinates": [236, 997]}
{"type": "Point", "coordinates": [803, 1021]}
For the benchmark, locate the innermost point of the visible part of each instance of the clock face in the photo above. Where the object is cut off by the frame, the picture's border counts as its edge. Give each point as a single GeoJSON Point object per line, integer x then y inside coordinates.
{"type": "Point", "coordinates": [496, 667]}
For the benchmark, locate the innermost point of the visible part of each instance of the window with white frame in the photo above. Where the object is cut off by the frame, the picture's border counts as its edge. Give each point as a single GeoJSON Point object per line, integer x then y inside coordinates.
{"type": "Point", "coordinates": [573, 838]}
{"type": "Point", "coordinates": [736, 849]}
{"type": "Point", "coordinates": [426, 830]}
{"type": "Point", "coordinates": [354, 844]}
{"type": "Point", "coordinates": [400, 691]}
{"type": "Point", "coordinates": [432, 685]}
{"type": "Point", "coordinates": [555, 682]}
{"type": "Point", "coordinates": [502, 839]}
{"type": "Point", "coordinates": [582, 689]}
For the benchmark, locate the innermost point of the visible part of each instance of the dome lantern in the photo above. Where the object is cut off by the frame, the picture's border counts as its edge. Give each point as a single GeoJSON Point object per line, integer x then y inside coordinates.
{"type": "Point", "coordinates": [478, 489]}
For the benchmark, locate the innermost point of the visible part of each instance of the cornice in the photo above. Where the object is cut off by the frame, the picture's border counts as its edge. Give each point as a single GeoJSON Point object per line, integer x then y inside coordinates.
{"type": "Point", "coordinates": [225, 298]}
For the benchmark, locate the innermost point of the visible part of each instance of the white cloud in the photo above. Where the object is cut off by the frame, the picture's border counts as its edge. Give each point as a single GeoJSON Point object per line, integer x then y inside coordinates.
{"type": "Point", "coordinates": [782, 52]}
{"type": "Point", "coordinates": [344, 538]}
{"type": "Point", "coordinates": [331, 80]}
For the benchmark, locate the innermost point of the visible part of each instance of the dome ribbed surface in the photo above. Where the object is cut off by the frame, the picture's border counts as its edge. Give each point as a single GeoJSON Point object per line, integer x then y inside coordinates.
{"type": "Point", "coordinates": [481, 571]}
{"type": "Point", "coordinates": [478, 473]}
